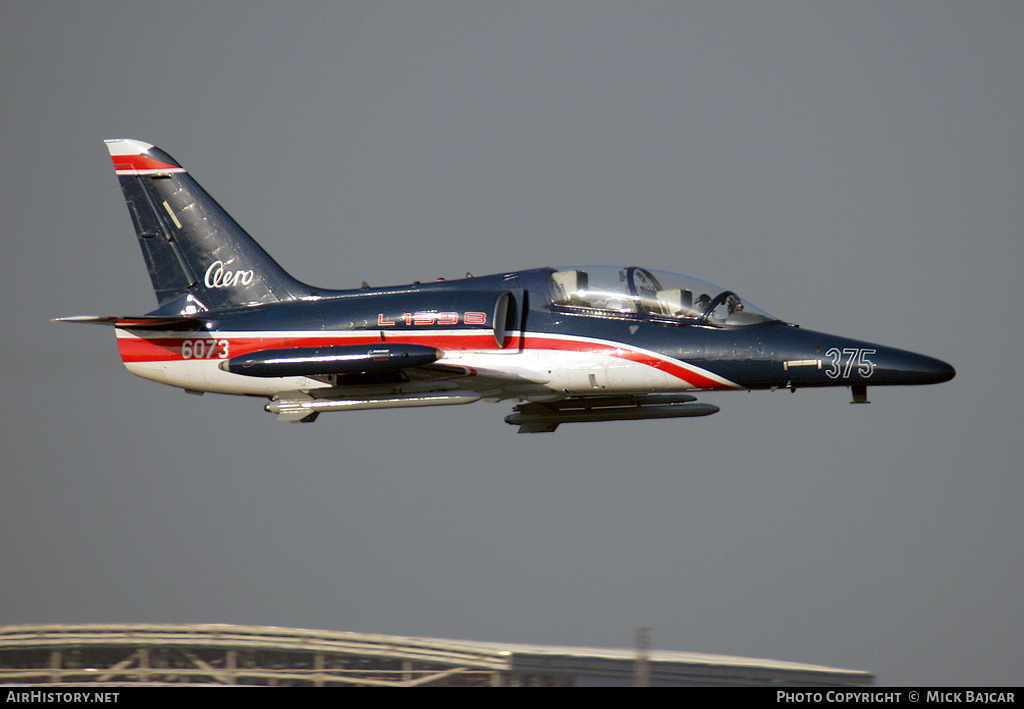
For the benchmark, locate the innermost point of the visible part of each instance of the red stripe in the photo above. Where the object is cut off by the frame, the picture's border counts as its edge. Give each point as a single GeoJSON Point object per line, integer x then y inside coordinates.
{"type": "Point", "coordinates": [169, 349]}
{"type": "Point", "coordinates": [139, 162]}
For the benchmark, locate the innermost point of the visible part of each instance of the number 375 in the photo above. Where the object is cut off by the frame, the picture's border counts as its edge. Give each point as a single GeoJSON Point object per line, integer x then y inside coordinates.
{"type": "Point", "coordinates": [842, 362]}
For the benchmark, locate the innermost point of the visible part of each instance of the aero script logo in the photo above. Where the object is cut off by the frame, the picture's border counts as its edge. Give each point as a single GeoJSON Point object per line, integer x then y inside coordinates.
{"type": "Point", "coordinates": [218, 276]}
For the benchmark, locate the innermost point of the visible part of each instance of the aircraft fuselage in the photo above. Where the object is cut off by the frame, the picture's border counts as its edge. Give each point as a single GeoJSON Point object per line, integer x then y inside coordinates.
{"type": "Point", "coordinates": [553, 351]}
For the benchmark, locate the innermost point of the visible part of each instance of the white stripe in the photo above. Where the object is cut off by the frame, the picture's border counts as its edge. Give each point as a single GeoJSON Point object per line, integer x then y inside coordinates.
{"type": "Point", "coordinates": [362, 334]}
{"type": "Point", "coordinates": [125, 146]}
{"type": "Point", "coordinates": [150, 171]}
{"type": "Point", "coordinates": [127, 331]}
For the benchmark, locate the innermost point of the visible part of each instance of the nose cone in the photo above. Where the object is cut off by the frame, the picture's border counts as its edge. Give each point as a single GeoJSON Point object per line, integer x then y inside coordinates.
{"type": "Point", "coordinates": [817, 359]}
{"type": "Point", "coordinates": [901, 367]}
{"type": "Point", "coordinates": [944, 373]}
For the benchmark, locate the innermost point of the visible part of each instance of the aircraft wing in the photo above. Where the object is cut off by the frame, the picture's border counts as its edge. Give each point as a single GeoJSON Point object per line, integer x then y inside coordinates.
{"type": "Point", "coordinates": [376, 363]}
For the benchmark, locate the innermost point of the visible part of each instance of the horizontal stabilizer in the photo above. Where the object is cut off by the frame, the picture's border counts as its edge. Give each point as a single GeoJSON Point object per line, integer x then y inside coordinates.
{"type": "Point", "coordinates": [143, 322]}
{"type": "Point", "coordinates": [545, 418]}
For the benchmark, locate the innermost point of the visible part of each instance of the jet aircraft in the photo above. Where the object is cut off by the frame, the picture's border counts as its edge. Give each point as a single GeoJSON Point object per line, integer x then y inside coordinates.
{"type": "Point", "coordinates": [566, 344]}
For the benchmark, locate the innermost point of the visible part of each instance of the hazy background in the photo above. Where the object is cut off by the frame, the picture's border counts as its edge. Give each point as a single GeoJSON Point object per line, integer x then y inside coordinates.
{"type": "Point", "coordinates": [852, 167]}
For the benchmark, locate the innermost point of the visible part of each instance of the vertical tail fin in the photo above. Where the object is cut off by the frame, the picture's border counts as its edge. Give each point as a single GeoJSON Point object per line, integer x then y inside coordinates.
{"type": "Point", "coordinates": [199, 258]}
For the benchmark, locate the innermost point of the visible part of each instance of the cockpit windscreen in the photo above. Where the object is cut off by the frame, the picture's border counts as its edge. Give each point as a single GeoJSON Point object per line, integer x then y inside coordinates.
{"type": "Point", "coordinates": [636, 291]}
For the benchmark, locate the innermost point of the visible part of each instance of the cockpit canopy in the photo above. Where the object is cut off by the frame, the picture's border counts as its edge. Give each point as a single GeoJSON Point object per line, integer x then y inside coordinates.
{"type": "Point", "coordinates": [633, 291]}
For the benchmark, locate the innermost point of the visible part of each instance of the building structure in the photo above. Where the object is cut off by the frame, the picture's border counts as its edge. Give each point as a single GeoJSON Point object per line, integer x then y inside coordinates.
{"type": "Point", "coordinates": [143, 654]}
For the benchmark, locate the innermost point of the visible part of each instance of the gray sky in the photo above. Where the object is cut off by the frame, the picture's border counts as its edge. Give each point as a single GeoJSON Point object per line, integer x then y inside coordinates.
{"type": "Point", "coordinates": [852, 167]}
